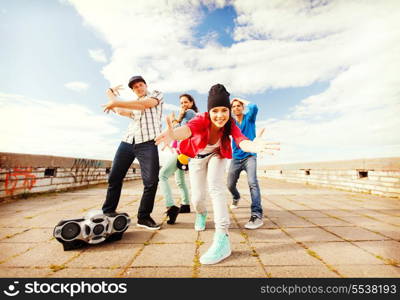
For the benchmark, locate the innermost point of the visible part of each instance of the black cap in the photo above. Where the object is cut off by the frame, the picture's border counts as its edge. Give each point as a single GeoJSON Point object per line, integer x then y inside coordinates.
{"type": "Point", "coordinates": [218, 96]}
{"type": "Point", "coordinates": [135, 79]}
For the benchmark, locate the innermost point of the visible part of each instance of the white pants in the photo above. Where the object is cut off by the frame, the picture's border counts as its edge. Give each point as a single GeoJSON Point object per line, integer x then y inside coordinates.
{"type": "Point", "coordinates": [210, 171]}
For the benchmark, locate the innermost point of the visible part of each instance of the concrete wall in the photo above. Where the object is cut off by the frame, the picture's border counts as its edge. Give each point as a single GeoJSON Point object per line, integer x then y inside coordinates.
{"type": "Point", "coordinates": [25, 174]}
{"type": "Point", "coordinates": [380, 176]}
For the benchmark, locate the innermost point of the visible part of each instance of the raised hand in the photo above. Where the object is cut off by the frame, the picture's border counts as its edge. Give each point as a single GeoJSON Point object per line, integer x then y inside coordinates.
{"type": "Point", "coordinates": [116, 89]}
{"type": "Point", "coordinates": [109, 106]}
{"type": "Point", "coordinates": [167, 136]}
{"type": "Point", "coordinates": [261, 146]}
{"type": "Point", "coordinates": [111, 93]}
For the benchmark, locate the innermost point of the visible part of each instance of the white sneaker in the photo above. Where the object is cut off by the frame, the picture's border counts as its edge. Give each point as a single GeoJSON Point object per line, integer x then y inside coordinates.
{"type": "Point", "coordinates": [234, 204]}
{"type": "Point", "coordinates": [254, 222]}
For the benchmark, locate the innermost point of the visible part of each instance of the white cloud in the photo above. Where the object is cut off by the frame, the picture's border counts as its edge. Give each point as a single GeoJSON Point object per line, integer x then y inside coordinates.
{"type": "Point", "coordinates": [77, 86]}
{"type": "Point", "coordinates": [353, 45]}
{"type": "Point", "coordinates": [41, 127]}
{"type": "Point", "coordinates": [295, 46]}
{"type": "Point", "coordinates": [171, 107]}
{"type": "Point", "coordinates": [98, 55]}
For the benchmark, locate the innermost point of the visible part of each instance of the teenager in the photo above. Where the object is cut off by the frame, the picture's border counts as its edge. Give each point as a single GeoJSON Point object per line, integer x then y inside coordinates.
{"type": "Point", "coordinates": [138, 142]}
{"type": "Point", "coordinates": [206, 139]}
{"type": "Point", "coordinates": [244, 161]}
{"type": "Point", "coordinates": [187, 112]}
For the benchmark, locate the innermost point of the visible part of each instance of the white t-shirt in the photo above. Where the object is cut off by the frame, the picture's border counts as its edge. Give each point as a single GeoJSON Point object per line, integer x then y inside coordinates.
{"type": "Point", "coordinates": [211, 148]}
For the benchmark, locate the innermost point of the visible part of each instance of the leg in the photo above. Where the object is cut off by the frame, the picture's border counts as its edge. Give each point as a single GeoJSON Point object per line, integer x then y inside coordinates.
{"type": "Point", "coordinates": [165, 172]}
{"type": "Point", "coordinates": [121, 163]}
{"type": "Point", "coordinates": [197, 174]}
{"type": "Point", "coordinates": [181, 183]}
{"type": "Point", "coordinates": [251, 170]}
{"type": "Point", "coordinates": [221, 247]}
{"type": "Point", "coordinates": [233, 175]}
{"type": "Point", "coordinates": [147, 155]}
{"type": "Point", "coordinates": [216, 188]}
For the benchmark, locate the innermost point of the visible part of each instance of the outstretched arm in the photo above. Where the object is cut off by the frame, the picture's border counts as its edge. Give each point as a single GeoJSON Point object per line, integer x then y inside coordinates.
{"type": "Point", "coordinates": [133, 105]}
{"type": "Point", "coordinates": [171, 134]}
{"type": "Point", "coordinates": [258, 145]}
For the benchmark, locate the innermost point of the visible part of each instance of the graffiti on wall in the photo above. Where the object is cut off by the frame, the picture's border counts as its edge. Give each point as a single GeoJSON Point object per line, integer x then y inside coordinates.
{"type": "Point", "coordinates": [85, 169]}
{"type": "Point", "coordinates": [19, 178]}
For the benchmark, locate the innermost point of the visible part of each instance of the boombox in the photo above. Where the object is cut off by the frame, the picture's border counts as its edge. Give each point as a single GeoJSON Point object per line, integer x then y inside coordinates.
{"type": "Point", "coordinates": [94, 228]}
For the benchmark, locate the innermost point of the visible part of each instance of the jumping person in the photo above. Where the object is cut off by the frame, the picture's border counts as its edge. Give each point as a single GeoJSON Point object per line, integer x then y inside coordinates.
{"type": "Point", "coordinates": [245, 161]}
{"type": "Point", "coordinates": [206, 139]}
{"type": "Point", "coordinates": [138, 142]}
{"type": "Point", "coordinates": [187, 112]}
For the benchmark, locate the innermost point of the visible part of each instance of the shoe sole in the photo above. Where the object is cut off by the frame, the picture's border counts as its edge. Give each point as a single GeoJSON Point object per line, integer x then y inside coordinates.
{"type": "Point", "coordinates": [199, 229]}
{"type": "Point", "coordinates": [216, 261]}
{"type": "Point", "coordinates": [253, 227]}
{"type": "Point", "coordinates": [147, 227]}
{"type": "Point", "coordinates": [233, 207]}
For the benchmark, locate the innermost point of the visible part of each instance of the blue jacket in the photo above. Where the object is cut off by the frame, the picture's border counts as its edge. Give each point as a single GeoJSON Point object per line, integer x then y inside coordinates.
{"type": "Point", "coordinates": [248, 128]}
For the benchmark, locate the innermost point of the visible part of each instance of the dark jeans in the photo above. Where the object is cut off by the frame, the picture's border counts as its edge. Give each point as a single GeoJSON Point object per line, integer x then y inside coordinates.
{"type": "Point", "coordinates": [248, 164]}
{"type": "Point", "coordinates": [147, 155]}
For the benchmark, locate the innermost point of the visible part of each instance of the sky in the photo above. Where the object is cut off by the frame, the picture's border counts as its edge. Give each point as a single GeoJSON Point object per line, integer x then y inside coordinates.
{"type": "Point", "coordinates": [324, 74]}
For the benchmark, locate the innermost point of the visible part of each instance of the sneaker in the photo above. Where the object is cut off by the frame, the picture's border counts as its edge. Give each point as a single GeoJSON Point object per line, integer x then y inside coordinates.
{"type": "Point", "coordinates": [254, 222]}
{"type": "Point", "coordinates": [172, 213]}
{"type": "Point", "coordinates": [148, 223]}
{"type": "Point", "coordinates": [235, 203]}
{"type": "Point", "coordinates": [185, 208]}
{"type": "Point", "coordinates": [200, 223]}
{"type": "Point", "coordinates": [219, 250]}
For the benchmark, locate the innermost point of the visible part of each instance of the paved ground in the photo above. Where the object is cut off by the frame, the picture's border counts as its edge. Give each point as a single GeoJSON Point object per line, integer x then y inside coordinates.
{"type": "Point", "coordinates": [308, 232]}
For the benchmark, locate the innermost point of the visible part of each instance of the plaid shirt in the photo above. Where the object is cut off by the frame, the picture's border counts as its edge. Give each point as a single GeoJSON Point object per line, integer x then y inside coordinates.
{"type": "Point", "coordinates": [146, 124]}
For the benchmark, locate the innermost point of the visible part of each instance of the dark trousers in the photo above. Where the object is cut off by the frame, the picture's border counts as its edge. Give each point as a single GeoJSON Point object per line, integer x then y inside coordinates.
{"type": "Point", "coordinates": [147, 155]}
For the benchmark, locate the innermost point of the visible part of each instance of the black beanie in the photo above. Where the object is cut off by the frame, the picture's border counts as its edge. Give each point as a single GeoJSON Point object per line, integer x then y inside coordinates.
{"type": "Point", "coordinates": [218, 96]}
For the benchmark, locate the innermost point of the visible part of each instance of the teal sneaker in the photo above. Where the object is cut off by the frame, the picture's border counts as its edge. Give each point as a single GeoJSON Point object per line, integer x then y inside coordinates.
{"type": "Point", "coordinates": [200, 223]}
{"type": "Point", "coordinates": [219, 250]}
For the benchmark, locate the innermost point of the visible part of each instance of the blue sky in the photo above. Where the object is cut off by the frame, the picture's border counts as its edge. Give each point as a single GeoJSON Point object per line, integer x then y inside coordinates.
{"type": "Point", "coordinates": [314, 79]}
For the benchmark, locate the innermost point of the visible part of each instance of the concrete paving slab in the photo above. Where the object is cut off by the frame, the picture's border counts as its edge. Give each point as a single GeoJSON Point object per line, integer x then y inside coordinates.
{"type": "Point", "coordinates": [284, 254]}
{"type": "Point", "coordinates": [175, 235]}
{"type": "Point", "coordinates": [16, 272]}
{"type": "Point", "coordinates": [311, 234]}
{"type": "Point", "coordinates": [292, 221]}
{"type": "Point", "coordinates": [159, 272]}
{"type": "Point", "coordinates": [355, 233]}
{"type": "Point", "coordinates": [309, 214]}
{"type": "Point", "coordinates": [6, 233]}
{"type": "Point", "coordinates": [371, 271]}
{"type": "Point", "coordinates": [7, 250]}
{"type": "Point", "coordinates": [268, 235]}
{"type": "Point", "coordinates": [104, 256]}
{"type": "Point", "coordinates": [135, 235]}
{"type": "Point", "coordinates": [43, 255]}
{"type": "Point", "coordinates": [326, 221]}
{"type": "Point", "coordinates": [85, 273]}
{"type": "Point", "coordinates": [176, 255]}
{"type": "Point", "coordinates": [386, 249]}
{"type": "Point", "coordinates": [386, 230]}
{"type": "Point", "coordinates": [232, 272]}
{"type": "Point", "coordinates": [301, 272]}
{"type": "Point", "coordinates": [33, 235]}
{"type": "Point", "coordinates": [343, 253]}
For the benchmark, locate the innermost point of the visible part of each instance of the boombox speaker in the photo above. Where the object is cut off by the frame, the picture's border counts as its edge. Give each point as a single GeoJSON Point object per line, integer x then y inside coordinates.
{"type": "Point", "coordinates": [94, 228]}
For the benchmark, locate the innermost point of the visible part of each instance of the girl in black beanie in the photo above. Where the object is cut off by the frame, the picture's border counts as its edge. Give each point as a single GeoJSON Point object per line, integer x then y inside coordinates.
{"type": "Point", "coordinates": [206, 139]}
